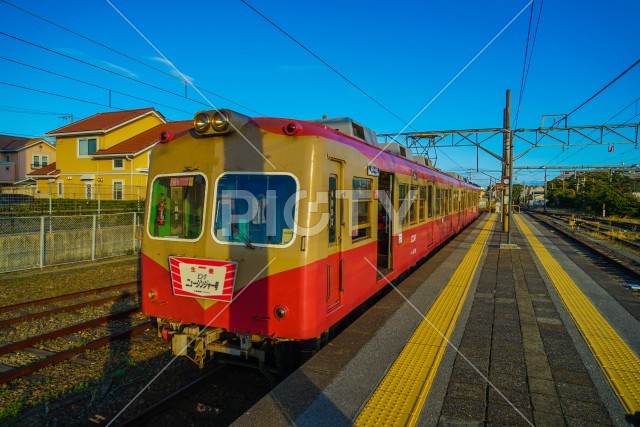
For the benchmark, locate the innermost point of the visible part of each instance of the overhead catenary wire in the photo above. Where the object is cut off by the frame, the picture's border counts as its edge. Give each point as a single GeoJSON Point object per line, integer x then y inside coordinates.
{"type": "Point", "coordinates": [13, 109]}
{"type": "Point", "coordinates": [591, 144]}
{"type": "Point", "coordinates": [61, 96]}
{"type": "Point", "coordinates": [600, 91]}
{"type": "Point", "coordinates": [94, 85]}
{"type": "Point", "coordinates": [103, 69]}
{"type": "Point", "coordinates": [533, 44]}
{"type": "Point", "coordinates": [526, 66]}
{"type": "Point", "coordinates": [345, 78]}
{"type": "Point", "coordinates": [125, 55]}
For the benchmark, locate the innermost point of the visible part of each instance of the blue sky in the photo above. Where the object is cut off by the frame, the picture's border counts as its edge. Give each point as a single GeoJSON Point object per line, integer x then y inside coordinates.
{"type": "Point", "coordinates": [400, 53]}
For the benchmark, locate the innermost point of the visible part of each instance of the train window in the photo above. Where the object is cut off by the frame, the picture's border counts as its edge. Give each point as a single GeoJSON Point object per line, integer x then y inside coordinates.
{"type": "Point", "coordinates": [177, 205]}
{"type": "Point", "coordinates": [361, 214]}
{"type": "Point", "coordinates": [423, 201]}
{"type": "Point", "coordinates": [430, 201]}
{"type": "Point", "coordinates": [438, 201]}
{"type": "Point", "coordinates": [414, 204]}
{"type": "Point", "coordinates": [454, 200]}
{"type": "Point", "coordinates": [333, 180]}
{"type": "Point", "coordinates": [403, 202]}
{"type": "Point", "coordinates": [255, 209]}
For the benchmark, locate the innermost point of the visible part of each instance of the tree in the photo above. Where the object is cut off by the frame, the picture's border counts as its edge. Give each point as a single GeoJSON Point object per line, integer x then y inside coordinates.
{"type": "Point", "coordinates": [517, 193]}
{"type": "Point", "coordinates": [589, 191]}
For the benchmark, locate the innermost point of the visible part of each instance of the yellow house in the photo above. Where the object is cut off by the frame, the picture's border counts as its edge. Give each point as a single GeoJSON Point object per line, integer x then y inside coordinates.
{"type": "Point", "coordinates": [104, 156]}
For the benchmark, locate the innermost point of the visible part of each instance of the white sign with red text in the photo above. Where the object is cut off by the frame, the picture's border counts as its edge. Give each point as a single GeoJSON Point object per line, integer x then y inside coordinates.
{"type": "Point", "coordinates": [203, 278]}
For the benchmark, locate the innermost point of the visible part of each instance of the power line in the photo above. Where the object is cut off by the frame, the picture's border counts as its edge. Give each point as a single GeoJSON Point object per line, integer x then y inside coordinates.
{"type": "Point", "coordinates": [533, 44]}
{"type": "Point", "coordinates": [125, 55]}
{"type": "Point", "coordinates": [103, 69]}
{"type": "Point", "coordinates": [326, 64]}
{"type": "Point", "coordinates": [95, 85]}
{"type": "Point", "coordinates": [11, 109]}
{"type": "Point", "coordinates": [527, 62]}
{"type": "Point", "coordinates": [591, 133]}
{"type": "Point", "coordinates": [601, 90]}
{"type": "Point", "coordinates": [524, 66]}
{"type": "Point", "coordinates": [61, 96]}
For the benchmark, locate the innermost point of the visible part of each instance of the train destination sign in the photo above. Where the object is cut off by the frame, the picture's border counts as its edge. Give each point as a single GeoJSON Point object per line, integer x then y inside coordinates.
{"type": "Point", "coordinates": [203, 278]}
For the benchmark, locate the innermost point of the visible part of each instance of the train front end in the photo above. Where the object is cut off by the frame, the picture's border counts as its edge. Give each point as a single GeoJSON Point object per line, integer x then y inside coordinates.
{"type": "Point", "coordinates": [221, 261]}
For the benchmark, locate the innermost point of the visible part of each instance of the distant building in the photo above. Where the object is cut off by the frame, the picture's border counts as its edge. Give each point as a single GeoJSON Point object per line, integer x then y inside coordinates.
{"type": "Point", "coordinates": [19, 156]}
{"type": "Point", "coordinates": [105, 156]}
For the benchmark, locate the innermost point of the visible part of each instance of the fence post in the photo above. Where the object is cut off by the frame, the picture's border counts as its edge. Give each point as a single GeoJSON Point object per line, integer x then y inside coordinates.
{"type": "Point", "coordinates": [94, 238]}
{"type": "Point", "coordinates": [135, 217]}
{"type": "Point", "coordinates": [41, 241]}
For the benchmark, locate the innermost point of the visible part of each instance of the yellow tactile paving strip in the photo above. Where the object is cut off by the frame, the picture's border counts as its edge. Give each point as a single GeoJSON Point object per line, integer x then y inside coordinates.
{"type": "Point", "coordinates": [403, 391]}
{"type": "Point", "coordinates": [619, 363]}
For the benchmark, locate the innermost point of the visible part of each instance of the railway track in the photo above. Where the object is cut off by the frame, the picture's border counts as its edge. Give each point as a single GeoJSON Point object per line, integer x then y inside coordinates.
{"type": "Point", "coordinates": [41, 309]}
{"type": "Point", "coordinates": [65, 297]}
{"type": "Point", "coordinates": [617, 257]}
{"type": "Point", "coordinates": [165, 403]}
{"type": "Point", "coordinates": [609, 230]}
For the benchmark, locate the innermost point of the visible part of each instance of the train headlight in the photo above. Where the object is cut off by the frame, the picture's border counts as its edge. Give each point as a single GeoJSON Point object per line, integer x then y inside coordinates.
{"type": "Point", "coordinates": [218, 122]}
{"type": "Point", "coordinates": [201, 122]}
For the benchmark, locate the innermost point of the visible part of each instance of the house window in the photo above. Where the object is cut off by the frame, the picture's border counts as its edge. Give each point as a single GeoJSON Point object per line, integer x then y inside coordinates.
{"type": "Point", "coordinates": [87, 146]}
{"type": "Point", "coordinates": [118, 164]}
{"type": "Point", "coordinates": [45, 160]}
{"type": "Point", "coordinates": [60, 189]}
{"type": "Point", "coordinates": [35, 164]}
{"type": "Point", "coordinates": [8, 157]}
{"type": "Point", "coordinates": [118, 190]}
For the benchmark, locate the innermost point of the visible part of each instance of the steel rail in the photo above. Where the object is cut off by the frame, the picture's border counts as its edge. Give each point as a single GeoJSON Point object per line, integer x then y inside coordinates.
{"type": "Point", "coordinates": [66, 297]}
{"type": "Point", "coordinates": [620, 260]}
{"type": "Point", "coordinates": [11, 347]}
{"type": "Point", "coordinates": [40, 314]}
{"type": "Point", "coordinates": [21, 371]}
{"type": "Point", "coordinates": [164, 403]}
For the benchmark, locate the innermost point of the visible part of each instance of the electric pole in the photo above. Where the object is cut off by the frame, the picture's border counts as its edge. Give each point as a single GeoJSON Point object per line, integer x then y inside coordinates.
{"type": "Point", "coordinates": [507, 169]}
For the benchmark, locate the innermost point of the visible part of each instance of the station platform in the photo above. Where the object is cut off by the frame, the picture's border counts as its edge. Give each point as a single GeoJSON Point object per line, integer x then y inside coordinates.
{"type": "Point", "coordinates": [482, 333]}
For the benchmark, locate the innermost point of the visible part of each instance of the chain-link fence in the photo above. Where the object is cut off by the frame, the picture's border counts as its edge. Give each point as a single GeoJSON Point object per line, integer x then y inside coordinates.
{"type": "Point", "coordinates": [70, 199]}
{"type": "Point", "coordinates": [36, 242]}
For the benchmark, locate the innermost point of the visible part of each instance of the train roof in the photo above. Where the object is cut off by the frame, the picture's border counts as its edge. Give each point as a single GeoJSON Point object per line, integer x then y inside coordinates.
{"type": "Point", "coordinates": [388, 156]}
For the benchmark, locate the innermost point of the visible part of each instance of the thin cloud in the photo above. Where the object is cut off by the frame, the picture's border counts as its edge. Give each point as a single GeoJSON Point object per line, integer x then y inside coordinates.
{"type": "Point", "coordinates": [100, 62]}
{"type": "Point", "coordinates": [119, 68]}
{"type": "Point", "coordinates": [172, 69]}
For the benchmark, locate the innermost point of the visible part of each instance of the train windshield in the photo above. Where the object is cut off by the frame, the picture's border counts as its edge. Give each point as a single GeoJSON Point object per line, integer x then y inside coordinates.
{"type": "Point", "coordinates": [176, 206]}
{"type": "Point", "coordinates": [255, 209]}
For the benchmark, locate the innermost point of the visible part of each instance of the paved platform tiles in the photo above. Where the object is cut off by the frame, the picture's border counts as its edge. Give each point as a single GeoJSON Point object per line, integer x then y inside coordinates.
{"type": "Point", "coordinates": [512, 328]}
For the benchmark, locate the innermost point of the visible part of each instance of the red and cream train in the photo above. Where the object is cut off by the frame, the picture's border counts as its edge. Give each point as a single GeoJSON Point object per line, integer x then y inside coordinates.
{"type": "Point", "coordinates": [263, 231]}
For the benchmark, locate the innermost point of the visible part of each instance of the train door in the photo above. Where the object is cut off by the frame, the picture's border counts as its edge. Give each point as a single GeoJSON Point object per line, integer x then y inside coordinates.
{"type": "Point", "coordinates": [458, 207]}
{"type": "Point", "coordinates": [335, 260]}
{"type": "Point", "coordinates": [385, 220]}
